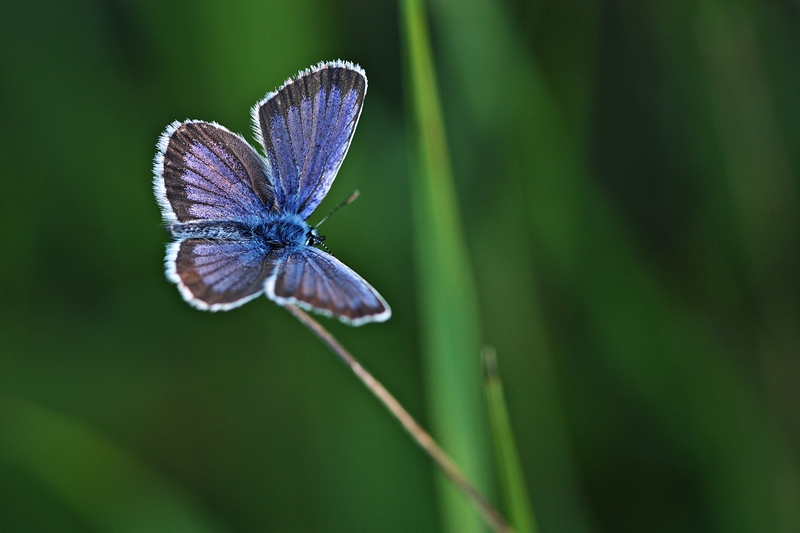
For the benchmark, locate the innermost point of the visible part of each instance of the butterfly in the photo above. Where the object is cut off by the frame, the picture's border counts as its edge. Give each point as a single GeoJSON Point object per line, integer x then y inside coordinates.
{"type": "Point", "coordinates": [239, 219]}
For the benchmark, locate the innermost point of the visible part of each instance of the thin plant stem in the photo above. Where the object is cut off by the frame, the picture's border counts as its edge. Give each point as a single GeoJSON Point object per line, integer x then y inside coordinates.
{"type": "Point", "coordinates": [422, 437]}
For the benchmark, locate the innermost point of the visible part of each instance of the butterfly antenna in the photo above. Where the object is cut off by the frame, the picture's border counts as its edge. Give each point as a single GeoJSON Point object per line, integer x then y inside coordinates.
{"type": "Point", "coordinates": [350, 199]}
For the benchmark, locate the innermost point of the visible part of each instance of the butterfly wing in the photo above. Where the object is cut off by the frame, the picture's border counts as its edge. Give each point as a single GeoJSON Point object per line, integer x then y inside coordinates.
{"type": "Point", "coordinates": [205, 172]}
{"type": "Point", "coordinates": [217, 275]}
{"type": "Point", "coordinates": [315, 280]}
{"type": "Point", "coordinates": [206, 180]}
{"type": "Point", "coordinates": [306, 127]}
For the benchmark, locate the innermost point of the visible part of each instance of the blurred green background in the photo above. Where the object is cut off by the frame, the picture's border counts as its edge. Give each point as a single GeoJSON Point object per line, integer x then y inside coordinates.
{"type": "Point", "coordinates": [627, 174]}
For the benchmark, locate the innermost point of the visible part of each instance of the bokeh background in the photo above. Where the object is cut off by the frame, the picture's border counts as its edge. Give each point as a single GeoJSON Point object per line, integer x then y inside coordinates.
{"type": "Point", "coordinates": [627, 174]}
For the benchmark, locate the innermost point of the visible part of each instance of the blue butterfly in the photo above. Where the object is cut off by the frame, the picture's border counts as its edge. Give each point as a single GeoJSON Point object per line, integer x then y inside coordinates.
{"type": "Point", "coordinates": [239, 219]}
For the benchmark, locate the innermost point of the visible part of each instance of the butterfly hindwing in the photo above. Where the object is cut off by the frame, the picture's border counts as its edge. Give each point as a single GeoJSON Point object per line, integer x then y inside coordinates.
{"type": "Point", "coordinates": [306, 127]}
{"type": "Point", "coordinates": [203, 172]}
{"type": "Point", "coordinates": [316, 280]}
{"type": "Point", "coordinates": [215, 274]}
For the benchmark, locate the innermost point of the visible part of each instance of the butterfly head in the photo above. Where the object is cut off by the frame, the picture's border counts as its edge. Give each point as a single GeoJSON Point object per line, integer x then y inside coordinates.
{"type": "Point", "coordinates": [313, 238]}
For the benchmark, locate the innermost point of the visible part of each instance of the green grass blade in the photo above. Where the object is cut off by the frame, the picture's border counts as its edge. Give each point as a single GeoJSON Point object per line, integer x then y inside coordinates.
{"type": "Point", "coordinates": [447, 295]}
{"type": "Point", "coordinates": [672, 362]}
{"type": "Point", "coordinates": [498, 79]}
{"type": "Point", "coordinates": [509, 468]}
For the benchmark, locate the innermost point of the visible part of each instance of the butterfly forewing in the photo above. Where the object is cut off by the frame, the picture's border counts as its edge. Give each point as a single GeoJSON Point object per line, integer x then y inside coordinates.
{"type": "Point", "coordinates": [306, 127]}
{"type": "Point", "coordinates": [217, 274]}
{"type": "Point", "coordinates": [203, 171]}
{"type": "Point", "coordinates": [318, 281]}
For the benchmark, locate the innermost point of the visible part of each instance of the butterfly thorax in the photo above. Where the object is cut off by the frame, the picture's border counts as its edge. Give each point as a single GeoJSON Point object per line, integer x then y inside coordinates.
{"type": "Point", "coordinates": [284, 230]}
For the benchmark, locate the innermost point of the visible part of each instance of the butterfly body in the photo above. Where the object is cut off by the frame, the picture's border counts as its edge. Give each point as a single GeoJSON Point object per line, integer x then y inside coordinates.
{"type": "Point", "coordinates": [272, 231]}
{"type": "Point", "coordinates": [239, 220]}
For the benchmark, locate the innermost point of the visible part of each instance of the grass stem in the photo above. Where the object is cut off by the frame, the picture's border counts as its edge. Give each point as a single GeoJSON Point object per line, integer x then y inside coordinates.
{"type": "Point", "coordinates": [422, 437]}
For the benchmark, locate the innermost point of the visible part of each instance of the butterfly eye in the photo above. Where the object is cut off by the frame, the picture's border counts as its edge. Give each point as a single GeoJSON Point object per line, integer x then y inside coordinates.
{"type": "Point", "coordinates": [314, 238]}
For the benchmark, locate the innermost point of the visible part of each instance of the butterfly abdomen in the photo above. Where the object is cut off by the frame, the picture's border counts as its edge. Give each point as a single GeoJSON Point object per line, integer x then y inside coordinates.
{"type": "Point", "coordinates": [211, 229]}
